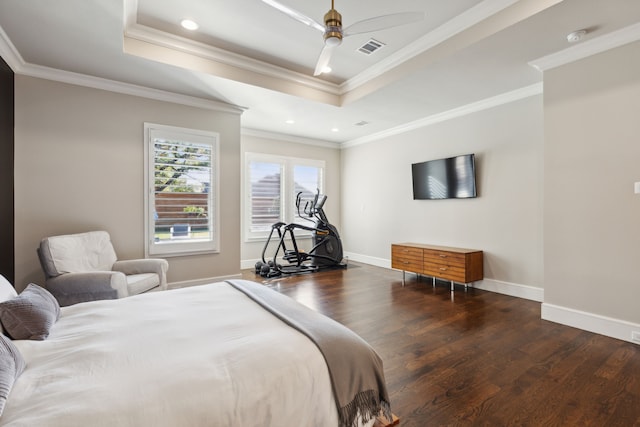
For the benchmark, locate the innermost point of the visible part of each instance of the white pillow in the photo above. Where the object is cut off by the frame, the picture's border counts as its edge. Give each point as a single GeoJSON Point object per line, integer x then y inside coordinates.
{"type": "Point", "coordinates": [7, 292]}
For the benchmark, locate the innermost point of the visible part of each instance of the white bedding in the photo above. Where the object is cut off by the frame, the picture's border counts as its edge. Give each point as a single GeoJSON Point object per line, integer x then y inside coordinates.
{"type": "Point", "coordinates": [199, 356]}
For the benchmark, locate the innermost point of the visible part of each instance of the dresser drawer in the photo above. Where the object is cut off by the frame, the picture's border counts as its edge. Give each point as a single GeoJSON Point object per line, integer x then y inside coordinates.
{"type": "Point", "coordinates": [443, 258]}
{"type": "Point", "coordinates": [462, 268]}
{"type": "Point", "coordinates": [447, 272]}
{"type": "Point", "coordinates": [406, 258]}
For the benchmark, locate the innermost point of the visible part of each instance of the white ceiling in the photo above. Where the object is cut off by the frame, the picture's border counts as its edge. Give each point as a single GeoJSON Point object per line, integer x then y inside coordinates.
{"type": "Point", "coordinates": [250, 55]}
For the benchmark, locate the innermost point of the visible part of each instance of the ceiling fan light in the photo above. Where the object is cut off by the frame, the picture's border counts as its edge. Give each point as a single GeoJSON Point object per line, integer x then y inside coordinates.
{"type": "Point", "coordinates": [333, 41]}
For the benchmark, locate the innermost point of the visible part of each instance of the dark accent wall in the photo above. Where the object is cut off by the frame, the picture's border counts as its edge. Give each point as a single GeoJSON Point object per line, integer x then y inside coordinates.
{"type": "Point", "coordinates": [7, 95]}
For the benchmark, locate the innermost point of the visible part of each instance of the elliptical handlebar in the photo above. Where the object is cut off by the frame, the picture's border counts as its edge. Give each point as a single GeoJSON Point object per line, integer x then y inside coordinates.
{"type": "Point", "coordinates": [306, 209]}
{"type": "Point", "coordinates": [313, 209]}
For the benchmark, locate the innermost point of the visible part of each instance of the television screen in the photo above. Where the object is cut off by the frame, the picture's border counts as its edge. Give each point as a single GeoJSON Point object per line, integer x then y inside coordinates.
{"type": "Point", "coordinates": [451, 178]}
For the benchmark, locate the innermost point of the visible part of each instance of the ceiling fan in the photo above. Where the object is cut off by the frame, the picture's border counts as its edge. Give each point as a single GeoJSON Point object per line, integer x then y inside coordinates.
{"type": "Point", "coordinates": [332, 28]}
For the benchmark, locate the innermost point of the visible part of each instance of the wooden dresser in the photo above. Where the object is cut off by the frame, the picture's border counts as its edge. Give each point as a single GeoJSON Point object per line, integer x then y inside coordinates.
{"type": "Point", "coordinates": [456, 265]}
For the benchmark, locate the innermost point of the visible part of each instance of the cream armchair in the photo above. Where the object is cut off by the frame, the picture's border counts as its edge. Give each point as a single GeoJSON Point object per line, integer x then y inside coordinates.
{"type": "Point", "coordinates": [84, 267]}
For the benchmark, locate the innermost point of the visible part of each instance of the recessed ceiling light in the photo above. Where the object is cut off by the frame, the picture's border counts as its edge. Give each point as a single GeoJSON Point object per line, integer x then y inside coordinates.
{"type": "Point", "coordinates": [189, 24]}
{"type": "Point", "coordinates": [290, 122]}
{"type": "Point", "coordinates": [335, 130]}
{"type": "Point", "coordinates": [326, 70]}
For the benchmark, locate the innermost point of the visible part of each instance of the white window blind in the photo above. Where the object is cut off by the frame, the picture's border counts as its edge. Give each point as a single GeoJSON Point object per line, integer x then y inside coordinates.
{"type": "Point", "coordinates": [271, 186]}
{"type": "Point", "coordinates": [307, 181]}
{"type": "Point", "coordinates": [181, 187]}
{"type": "Point", "coordinates": [266, 187]}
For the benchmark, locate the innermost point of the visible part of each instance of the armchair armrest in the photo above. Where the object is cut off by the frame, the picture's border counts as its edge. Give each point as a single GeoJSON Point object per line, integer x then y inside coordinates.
{"type": "Point", "coordinates": [147, 265]}
{"type": "Point", "coordinates": [72, 288]}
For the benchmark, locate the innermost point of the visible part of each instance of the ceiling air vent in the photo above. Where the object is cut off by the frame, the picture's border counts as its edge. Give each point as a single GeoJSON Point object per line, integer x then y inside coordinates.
{"type": "Point", "coordinates": [371, 46]}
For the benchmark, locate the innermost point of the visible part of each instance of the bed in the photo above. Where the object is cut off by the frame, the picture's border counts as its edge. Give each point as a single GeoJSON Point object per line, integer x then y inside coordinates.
{"type": "Point", "coordinates": [210, 355]}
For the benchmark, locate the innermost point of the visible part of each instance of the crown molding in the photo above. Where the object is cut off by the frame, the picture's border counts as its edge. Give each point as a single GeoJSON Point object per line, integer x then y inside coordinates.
{"type": "Point", "coordinates": [126, 88]}
{"type": "Point", "coordinates": [159, 45]}
{"type": "Point", "coordinates": [276, 136]}
{"type": "Point", "coordinates": [447, 30]}
{"type": "Point", "coordinates": [19, 66]}
{"type": "Point", "coordinates": [588, 48]}
{"type": "Point", "coordinates": [485, 104]}
{"type": "Point", "coordinates": [212, 53]}
{"type": "Point", "coordinates": [9, 53]}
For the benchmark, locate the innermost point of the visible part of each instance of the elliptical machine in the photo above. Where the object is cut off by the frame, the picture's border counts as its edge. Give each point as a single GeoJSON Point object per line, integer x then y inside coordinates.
{"type": "Point", "coordinates": [326, 251]}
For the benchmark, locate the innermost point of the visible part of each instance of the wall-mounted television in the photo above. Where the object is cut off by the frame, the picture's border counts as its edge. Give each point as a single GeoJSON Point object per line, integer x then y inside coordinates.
{"type": "Point", "coordinates": [450, 178]}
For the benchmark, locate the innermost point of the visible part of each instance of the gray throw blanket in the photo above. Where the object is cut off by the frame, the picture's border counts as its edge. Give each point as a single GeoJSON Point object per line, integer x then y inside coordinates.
{"type": "Point", "coordinates": [355, 368]}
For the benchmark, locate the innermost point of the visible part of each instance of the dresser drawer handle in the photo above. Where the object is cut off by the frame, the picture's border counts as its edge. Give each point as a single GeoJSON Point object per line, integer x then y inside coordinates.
{"type": "Point", "coordinates": [443, 255]}
{"type": "Point", "coordinates": [443, 268]}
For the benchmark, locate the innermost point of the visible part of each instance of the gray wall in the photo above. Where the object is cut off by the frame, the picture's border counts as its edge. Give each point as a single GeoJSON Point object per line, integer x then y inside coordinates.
{"type": "Point", "coordinates": [79, 166]}
{"type": "Point", "coordinates": [592, 158]}
{"type": "Point", "coordinates": [505, 221]}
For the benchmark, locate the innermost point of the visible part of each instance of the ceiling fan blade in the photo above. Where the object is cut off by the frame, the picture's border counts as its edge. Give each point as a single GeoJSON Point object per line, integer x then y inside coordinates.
{"type": "Point", "coordinates": [323, 60]}
{"type": "Point", "coordinates": [300, 17]}
{"type": "Point", "coordinates": [382, 22]}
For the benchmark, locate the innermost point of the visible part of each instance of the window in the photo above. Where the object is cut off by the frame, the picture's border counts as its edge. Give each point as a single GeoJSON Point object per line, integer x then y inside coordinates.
{"type": "Point", "coordinates": [272, 184]}
{"type": "Point", "coordinates": [181, 209]}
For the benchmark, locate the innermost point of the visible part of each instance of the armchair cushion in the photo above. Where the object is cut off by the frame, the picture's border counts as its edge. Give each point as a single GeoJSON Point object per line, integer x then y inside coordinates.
{"type": "Point", "coordinates": [74, 253]}
{"type": "Point", "coordinates": [133, 267]}
{"type": "Point", "coordinates": [139, 283]}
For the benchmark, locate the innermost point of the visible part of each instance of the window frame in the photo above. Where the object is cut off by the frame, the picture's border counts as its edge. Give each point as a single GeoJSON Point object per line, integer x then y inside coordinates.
{"type": "Point", "coordinates": [287, 198]}
{"type": "Point", "coordinates": [180, 247]}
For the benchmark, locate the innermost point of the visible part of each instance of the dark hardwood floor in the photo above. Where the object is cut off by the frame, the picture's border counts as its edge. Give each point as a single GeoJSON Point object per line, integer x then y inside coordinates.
{"type": "Point", "coordinates": [475, 358]}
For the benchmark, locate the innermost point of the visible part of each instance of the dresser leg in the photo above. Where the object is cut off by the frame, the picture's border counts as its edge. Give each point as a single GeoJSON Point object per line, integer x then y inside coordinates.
{"type": "Point", "coordinates": [452, 286]}
{"type": "Point", "coordinates": [402, 277]}
{"type": "Point", "coordinates": [433, 281]}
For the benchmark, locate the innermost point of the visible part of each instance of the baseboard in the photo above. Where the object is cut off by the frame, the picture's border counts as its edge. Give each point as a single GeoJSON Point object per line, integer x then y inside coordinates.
{"type": "Point", "coordinates": [378, 262]}
{"type": "Point", "coordinates": [187, 283]}
{"type": "Point", "coordinates": [608, 326]}
{"type": "Point", "coordinates": [248, 263]}
{"type": "Point", "coordinates": [512, 289]}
